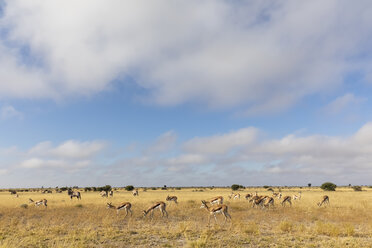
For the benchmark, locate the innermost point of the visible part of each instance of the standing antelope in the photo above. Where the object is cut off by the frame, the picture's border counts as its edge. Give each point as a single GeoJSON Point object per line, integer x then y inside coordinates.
{"type": "Point", "coordinates": [213, 210]}
{"type": "Point", "coordinates": [40, 202]}
{"type": "Point", "coordinates": [216, 200]}
{"type": "Point", "coordinates": [172, 198]}
{"type": "Point", "coordinates": [234, 196]}
{"type": "Point", "coordinates": [111, 193]}
{"type": "Point", "coordinates": [135, 192]}
{"type": "Point", "coordinates": [125, 205]}
{"type": "Point", "coordinates": [73, 194]}
{"type": "Point", "coordinates": [269, 202]}
{"type": "Point", "coordinates": [160, 205]}
{"type": "Point", "coordinates": [324, 201]}
{"type": "Point", "coordinates": [287, 199]}
{"type": "Point", "coordinates": [103, 193]}
{"type": "Point", "coordinates": [247, 196]}
{"type": "Point", "coordinates": [295, 197]}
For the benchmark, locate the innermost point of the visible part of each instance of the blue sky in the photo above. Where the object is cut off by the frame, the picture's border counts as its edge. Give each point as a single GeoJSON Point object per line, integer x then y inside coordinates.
{"type": "Point", "coordinates": [185, 93]}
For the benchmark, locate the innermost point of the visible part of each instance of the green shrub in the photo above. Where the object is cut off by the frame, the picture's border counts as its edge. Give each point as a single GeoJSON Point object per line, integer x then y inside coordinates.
{"type": "Point", "coordinates": [237, 187]}
{"type": "Point", "coordinates": [129, 188]}
{"type": "Point", "coordinates": [328, 186]}
{"type": "Point", "coordinates": [357, 188]}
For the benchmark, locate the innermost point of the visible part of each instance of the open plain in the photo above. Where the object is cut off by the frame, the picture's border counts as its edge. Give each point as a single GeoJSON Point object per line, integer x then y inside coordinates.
{"type": "Point", "coordinates": [346, 222]}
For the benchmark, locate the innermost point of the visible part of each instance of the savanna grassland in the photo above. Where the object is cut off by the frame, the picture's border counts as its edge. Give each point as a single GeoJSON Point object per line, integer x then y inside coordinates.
{"type": "Point", "coordinates": [347, 222]}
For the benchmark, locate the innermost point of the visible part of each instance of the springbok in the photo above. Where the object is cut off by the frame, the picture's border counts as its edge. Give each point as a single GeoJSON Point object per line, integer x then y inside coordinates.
{"type": "Point", "coordinates": [325, 200]}
{"type": "Point", "coordinates": [172, 198]}
{"type": "Point", "coordinates": [125, 205]}
{"type": "Point", "coordinates": [287, 199]}
{"type": "Point", "coordinates": [160, 205]}
{"type": "Point", "coordinates": [213, 210]}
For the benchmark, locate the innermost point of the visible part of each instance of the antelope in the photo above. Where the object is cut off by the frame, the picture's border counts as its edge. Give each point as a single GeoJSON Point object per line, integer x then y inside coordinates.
{"type": "Point", "coordinates": [161, 205]}
{"type": "Point", "coordinates": [38, 203]}
{"type": "Point", "coordinates": [172, 198]}
{"type": "Point", "coordinates": [269, 201]}
{"type": "Point", "coordinates": [258, 201]}
{"type": "Point", "coordinates": [295, 197]}
{"type": "Point", "coordinates": [247, 196]}
{"type": "Point", "coordinates": [135, 192]}
{"type": "Point", "coordinates": [125, 205]}
{"type": "Point", "coordinates": [111, 193]}
{"type": "Point", "coordinates": [234, 196]}
{"type": "Point", "coordinates": [103, 193]}
{"type": "Point", "coordinates": [287, 199]}
{"type": "Point", "coordinates": [73, 194]}
{"type": "Point", "coordinates": [216, 200]}
{"type": "Point", "coordinates": [324, 201]}
{"type": "Point", "coordinates": [213, 210]}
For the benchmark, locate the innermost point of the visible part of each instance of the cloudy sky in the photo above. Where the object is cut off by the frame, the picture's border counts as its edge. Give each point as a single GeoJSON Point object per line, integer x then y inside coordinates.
{"type": "Point", "coordinates": [185, 92]}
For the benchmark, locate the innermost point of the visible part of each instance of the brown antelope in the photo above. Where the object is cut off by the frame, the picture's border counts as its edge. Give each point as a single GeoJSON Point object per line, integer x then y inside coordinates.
{"type": "Point", "coordinates": [325, 200]}
{"type": "Point", "coordinates": [247, 196]}
{"type": "Point", "coordinates": [213, 210]}
{"type": "Point", "coordinates": [125, 205]}
{"type": "Point", "coordinates": [172, 198]}
{"type": "Point", "coordinates": [160, 205]}
{"type": "Point", "coordinates": [287, 199]}
{"type": "Point", "coordinates": [297, 197]}
{"type": "Point", "coordinates": [234, 196]}
{"type": "Point", "coordinates": [258, 201]}
{"type": "Point", "coordinates": [111, 193]}
{"type": "Point", "coordinates": [269, 202]}
{"type": "Point", "coordinates": [216, 200]}
{"type": "Point", "coordinates": [135, 192]}
{"type": "Point", "coordinates": [40, 202]}
{"type": "Point", "coordinates": [103, 193]}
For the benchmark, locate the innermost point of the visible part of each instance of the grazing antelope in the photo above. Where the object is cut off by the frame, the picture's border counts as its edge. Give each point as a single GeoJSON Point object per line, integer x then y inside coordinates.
{"type": "Point", "coordinates": [247, 196]}
{"type": "Point", "coordinates": [103, 193]}
{"type": "Point", "coordinates": [213, 210]}
{"type": "Point", "coordinates": [216, 200]}
{"type": "Point", "coordinates": [234, 196]}
{"type": "Point", "coordinates": [324, 201]}
{"type": "Point", "coordinates": [125, 205]}
{"type": "Point", "coordinates": [73, 194]}
{"type": "Point", "coordinates": [258, 201]}
{"type": "Point", "coordinates": [160, 205]}
{"type": "Point", "coordinates": [269, 202]}
{"type": "Point", "coordinates": [135, 192]}
{"type": "Point", "coordinates": [172, 198]}
{"type": "Point", "coordinates": [297, 197]}
{"type": "Point", "coordinates": [287, 199]}
{"type": "Point", "coordinates": [38, 203]}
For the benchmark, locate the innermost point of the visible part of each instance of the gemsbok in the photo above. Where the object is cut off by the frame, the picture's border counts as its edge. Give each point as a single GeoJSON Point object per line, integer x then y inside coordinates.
{"type": "Point", "coordinates": [213, 210]}
{"type": "Point", "coordinates": [160, 205]}
{"type": "Point", "coordinates": [125, 205]}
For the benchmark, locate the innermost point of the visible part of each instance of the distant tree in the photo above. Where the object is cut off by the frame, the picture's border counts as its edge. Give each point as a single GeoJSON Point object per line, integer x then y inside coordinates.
{"type": "Point", "coordinates": [266, 186]}
{"type": "Point", "coordinates": [309, 184]}
{"type": "Point", "coordinates": [328, 186]}
{"type": "Point", "coordinates": [129, 188]}
{"type": "Point", "coordinates": [237, 187]}
{"type": "Point", "coordinates": [357, 188]}
{"type": "Point", "coordinates": [349, 184]}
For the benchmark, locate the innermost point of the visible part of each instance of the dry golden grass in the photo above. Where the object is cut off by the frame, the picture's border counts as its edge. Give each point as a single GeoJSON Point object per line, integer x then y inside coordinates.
{"type": "Point", "coordinates": [347, 222]}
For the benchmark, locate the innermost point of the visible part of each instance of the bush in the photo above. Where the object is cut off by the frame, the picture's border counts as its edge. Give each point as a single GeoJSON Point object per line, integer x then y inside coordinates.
{"type": "Point", "coordinates": [129, 188]}
{"type": "Point", "coordinates": [270, 189]}
{"type": "Point", "coordinates": [357, 188]}
{"type": "Point", "coordinates": [153, 188]}
{"type": "Point", "coordinates": [286, 226]}
{"type": "Point", "coordinates": [237, 187]}
{"type": "Point", "coordinates": [266, 187]}
{"type": "Point", "coordinates": [328, 186]}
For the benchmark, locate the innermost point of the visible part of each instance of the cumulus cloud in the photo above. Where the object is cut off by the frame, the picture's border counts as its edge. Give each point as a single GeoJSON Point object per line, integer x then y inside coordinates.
{"type": "Point", "coordinates": [259, 55]}
{"type": "Point", "coordinates": [163, 143]}
{"type": "Point", "coordinates": [9, 112]}
{"type": "Point", "coordinates": [343, 102]}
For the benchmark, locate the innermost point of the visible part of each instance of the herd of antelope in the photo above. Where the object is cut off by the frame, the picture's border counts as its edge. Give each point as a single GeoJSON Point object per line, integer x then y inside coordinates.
{"type": "Point", "coordinates": [213, 206]}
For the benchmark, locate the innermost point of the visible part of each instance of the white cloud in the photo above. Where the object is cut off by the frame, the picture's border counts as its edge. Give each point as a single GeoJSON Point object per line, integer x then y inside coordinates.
{"type": "Point", "coordinates": [342, 103]}
{"type": "Point", "coordinates": [262, 55]}
{"type": "Point", "coordinates": [163, 143]}
{"type": "Point", "coordinates": [222, 143]}
{"type": "Point", "coordinates": [9, 112]}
